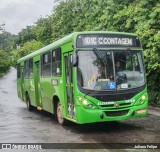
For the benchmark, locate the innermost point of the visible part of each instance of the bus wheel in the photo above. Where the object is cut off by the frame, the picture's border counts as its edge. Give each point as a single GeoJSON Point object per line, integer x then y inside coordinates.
{"type": "Point", "coordinates": [29, 106]}
{"type": "Point", "coordinates": [60, 118]}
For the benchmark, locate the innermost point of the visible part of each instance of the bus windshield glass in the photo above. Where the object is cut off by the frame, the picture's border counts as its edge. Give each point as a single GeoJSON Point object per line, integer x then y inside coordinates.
{"type": "Point", "coordinates": [110, 70]}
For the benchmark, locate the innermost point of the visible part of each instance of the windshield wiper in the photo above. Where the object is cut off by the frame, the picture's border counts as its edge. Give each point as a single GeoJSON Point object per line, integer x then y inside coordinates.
{"type": "Point", "coordinates": [98, 56]}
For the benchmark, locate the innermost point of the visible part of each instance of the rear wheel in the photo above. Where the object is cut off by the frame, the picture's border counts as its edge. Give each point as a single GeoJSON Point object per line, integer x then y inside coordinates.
{"type": "Point", "coordinates": [59, 115]}
{"type": "Point", "coordinates": [29, 106]}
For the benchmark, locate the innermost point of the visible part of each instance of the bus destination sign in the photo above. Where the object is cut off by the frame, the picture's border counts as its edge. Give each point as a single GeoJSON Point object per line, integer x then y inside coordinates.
{"type": "Point", "coordinates": [107, 40]}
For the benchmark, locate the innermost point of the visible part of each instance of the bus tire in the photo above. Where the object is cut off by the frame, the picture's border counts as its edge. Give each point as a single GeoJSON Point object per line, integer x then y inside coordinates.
{"type": "Point", "coordinates": [62, 121]}
{"type": "Point", "coordinates": [29, 106]}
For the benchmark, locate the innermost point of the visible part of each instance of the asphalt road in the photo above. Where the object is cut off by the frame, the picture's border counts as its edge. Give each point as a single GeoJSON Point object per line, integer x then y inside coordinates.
{"type": "Point", "coordinates": [18, 125]}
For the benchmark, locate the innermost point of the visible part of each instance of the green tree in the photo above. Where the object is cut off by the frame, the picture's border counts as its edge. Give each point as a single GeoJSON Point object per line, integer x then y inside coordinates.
{"type": "Point", "coordinates": [5, 62]}
{"type": "Point", "coordinates": [26, 49]}
{"type": "Point", "coordinates": [43, 30]}
{"type": "Point", "coordinates": [25, 35]}
{"type": "Point", "coordinates": [7, 41]}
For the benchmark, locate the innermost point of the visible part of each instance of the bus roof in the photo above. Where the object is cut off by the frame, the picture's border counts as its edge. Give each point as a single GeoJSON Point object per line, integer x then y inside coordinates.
{"type": "Point", "coordinates": [66, 39]}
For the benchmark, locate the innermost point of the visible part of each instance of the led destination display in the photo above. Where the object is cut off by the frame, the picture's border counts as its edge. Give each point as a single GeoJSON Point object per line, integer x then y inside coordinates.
{"type": "Point", "coordinates": [107, 40]}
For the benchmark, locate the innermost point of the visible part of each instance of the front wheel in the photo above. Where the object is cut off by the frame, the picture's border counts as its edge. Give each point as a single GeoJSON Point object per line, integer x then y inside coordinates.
{"type": "Point", "coordinates": [60, 118]}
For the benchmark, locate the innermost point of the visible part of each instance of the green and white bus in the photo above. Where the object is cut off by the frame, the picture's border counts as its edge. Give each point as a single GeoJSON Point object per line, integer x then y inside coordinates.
{"type": "Point", "coordinates": [86, 77]}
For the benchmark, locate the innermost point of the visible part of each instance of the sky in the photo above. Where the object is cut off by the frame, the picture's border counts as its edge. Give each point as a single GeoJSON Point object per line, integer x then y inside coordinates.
{"type": "Point", "coordinates": [17, 14]}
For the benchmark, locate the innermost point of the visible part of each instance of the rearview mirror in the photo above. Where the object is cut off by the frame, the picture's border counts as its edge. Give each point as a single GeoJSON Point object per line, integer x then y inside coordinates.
{"type": "Point", "coordinates": [74, 60]}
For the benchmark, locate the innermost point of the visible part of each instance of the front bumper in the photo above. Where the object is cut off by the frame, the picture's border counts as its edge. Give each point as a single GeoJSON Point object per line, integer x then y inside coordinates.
{"type": "Point", "coordinates": [98, 115]}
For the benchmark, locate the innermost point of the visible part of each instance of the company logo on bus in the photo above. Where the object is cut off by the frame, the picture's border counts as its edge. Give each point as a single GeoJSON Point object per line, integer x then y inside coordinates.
{"type": "Point", "coordinates": [117, 104]}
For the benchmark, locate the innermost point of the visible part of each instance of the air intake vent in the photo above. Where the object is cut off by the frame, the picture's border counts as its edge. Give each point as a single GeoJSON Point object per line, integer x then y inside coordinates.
{"type": "Point", "coordinates": [116, 113]}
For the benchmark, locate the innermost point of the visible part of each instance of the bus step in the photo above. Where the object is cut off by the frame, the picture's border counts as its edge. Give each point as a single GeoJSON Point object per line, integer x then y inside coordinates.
{"type": "Point", "coordinates": [39, 108]}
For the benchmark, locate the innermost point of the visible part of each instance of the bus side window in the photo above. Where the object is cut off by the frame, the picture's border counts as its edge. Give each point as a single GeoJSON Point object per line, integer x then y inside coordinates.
{"type": "Point", "coordinates": [30, 72]}
{"type": "Point", "coordinates": [56, 62]}
{"type": "Point", "coordinates": [26, 69]}
{"type": "Point", "coordinates": [18, 71]}
{"type": "Point", "coordinates": [46, 64]}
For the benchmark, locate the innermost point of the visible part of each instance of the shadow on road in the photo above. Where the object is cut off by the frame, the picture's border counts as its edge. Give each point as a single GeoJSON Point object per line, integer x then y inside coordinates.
{"type": "Point", "coordinates": [103, 127]}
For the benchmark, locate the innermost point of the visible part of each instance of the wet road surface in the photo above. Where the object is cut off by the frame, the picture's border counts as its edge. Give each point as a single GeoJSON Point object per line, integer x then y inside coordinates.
{"type": "Point", "coordinates": [18, 125]}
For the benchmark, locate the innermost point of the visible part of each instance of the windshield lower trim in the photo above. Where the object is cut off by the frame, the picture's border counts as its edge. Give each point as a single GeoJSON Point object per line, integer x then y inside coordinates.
{"type": "Point", "coordinates": [113, 95]}
{"type": "Point", "coordinates": [87, 91]}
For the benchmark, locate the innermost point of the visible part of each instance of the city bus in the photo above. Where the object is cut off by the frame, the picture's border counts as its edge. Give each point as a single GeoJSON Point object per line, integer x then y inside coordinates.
{"type": "Point", "coordinates": [86, 77]}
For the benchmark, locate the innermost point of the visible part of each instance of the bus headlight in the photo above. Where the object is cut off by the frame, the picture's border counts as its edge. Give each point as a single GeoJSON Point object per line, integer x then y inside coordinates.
{"type": "Point", "coordinates": [142, 99]}
{"type": "Point", "coordinates": [86, 103]}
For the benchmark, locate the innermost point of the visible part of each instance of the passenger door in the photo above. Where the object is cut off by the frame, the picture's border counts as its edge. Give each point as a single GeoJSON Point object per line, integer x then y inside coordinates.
{"type": "Point", "coordinates": [37, 83]}
{"type": "Point", "coordinates": [46, 89]}
{"type": "Point", "coordinates": [22, 84]}
{"type": "Point", "coordinates": [69, 85]}
{"type": "Point", "coordinates": [32, 93]}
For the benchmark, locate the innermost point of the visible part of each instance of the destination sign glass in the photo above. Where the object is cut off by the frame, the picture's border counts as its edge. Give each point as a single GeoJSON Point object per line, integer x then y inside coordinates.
{"type": "Point", "coordinates": [107, 40]}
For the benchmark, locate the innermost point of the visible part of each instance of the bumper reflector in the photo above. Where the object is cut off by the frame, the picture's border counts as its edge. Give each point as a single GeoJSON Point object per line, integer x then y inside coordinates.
{"type": "Point", "coordinates": [141, 111]}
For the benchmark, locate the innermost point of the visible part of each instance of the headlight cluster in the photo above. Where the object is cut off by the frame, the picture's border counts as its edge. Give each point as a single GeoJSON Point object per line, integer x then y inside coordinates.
{"type": "Point", "coordinates": [86, 103]}
{"type": "Point", "coordinates": [142, 99]}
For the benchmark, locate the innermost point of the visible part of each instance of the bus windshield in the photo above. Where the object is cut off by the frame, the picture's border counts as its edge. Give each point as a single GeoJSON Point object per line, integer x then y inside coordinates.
{"type": "Point", "coordinates": [110, 70]}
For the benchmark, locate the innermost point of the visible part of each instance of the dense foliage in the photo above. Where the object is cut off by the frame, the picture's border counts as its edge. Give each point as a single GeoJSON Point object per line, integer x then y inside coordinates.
{"type": "Point", "coordinates": [27, 48]}
{"type": "Point", "coordinates": [138, 16]}
{"type": "Point", "coordinates": [7, 44]}
{"type": "Point", "coordinates": [5, 62]}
